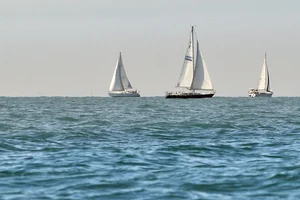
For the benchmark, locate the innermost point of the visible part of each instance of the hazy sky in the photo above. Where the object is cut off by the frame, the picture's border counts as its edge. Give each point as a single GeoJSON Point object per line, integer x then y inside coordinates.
{"type": "Point", "coordinates": [70, 47]}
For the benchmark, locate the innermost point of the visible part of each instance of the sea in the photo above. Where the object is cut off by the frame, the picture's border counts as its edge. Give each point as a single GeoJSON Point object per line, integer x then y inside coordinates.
{"type": "Point", "coordinates": [149, 148]}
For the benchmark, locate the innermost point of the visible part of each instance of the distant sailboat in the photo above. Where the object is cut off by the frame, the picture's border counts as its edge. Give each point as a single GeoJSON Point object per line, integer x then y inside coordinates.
{"type": "Point", "coordinates": [264, 85]}
{"type": "Point", "coordinates": [194, 74]}
{"type": "Point", "coordinates": [120, 85]}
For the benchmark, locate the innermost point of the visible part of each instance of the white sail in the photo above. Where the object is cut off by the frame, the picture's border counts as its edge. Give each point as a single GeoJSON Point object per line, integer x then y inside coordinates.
{"type": "Point", "coordinates": [264, 82]}
{"type": "Point", "coordinates": [116, 82]}
{"type": "Point", "coordinates": [124, 78]}
{"type": "Point", "coordinates": [186, 75]}
{"type": "Point", "coordinates": [201, 79]}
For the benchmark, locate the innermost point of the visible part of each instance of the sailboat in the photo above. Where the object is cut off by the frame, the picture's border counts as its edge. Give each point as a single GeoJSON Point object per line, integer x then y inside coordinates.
{"type": "Point", "coordinates": [120, 85]}
{"type": "Point", "coordinates": [194, 74]}
{"type": "Point", "coordinates": [264, 85]}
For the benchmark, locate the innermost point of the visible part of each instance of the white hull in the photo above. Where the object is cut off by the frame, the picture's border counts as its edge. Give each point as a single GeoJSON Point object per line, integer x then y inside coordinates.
{"type": "Point", "coordinates": [123, 94]}
{"type": "Point", "coordinates": [269, 94]}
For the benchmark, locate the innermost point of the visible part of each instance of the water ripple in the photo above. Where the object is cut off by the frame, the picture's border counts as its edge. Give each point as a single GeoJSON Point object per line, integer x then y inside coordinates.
{"type": "Point", "coordinates": [149, 148]}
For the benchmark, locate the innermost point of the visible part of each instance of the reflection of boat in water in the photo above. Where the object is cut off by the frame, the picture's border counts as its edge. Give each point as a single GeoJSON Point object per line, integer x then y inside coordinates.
{"type": "Point", "coordinates": [264, 86]}
{"type": "Point", "coordinates": [194, 74]}
{"type": "Point", "coordinates": [120, 85]}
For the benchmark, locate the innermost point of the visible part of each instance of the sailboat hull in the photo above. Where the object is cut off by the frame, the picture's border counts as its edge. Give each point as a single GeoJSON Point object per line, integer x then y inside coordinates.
{"type": "Point", "coordinates": [188, 95]}
{"type": "Point", "coordinates": [123, 94]}
{"type": "Point", "coordinates": [261, 95]}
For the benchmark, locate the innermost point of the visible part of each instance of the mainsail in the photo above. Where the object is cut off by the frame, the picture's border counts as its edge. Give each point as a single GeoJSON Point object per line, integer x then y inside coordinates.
{"type": "Point", "coordinates": [194, 75]}
{"type": "Point", "coordinates": [186, 75]}
{"type": "Point", "coordinates": [264, 82]}
{"type": "Point", "coordinates": [119, 80]}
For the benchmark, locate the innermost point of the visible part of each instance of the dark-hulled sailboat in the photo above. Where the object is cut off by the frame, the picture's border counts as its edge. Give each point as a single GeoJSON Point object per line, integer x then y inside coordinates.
{"type": "Point", "coordinates": [194, 75]}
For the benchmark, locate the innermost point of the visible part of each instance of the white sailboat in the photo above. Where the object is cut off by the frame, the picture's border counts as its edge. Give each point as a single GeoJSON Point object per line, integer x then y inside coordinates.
{"type": "Point", "coordinates": [120, 85]}
{"type": "Point", "coordinates": [194, 74]}
{"type": "Point", "coordinates": [264, 85]}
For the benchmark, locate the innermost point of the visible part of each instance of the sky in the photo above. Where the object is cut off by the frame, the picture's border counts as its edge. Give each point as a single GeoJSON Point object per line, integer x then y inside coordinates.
{"type": "Point", "coordinates": [70, 47]}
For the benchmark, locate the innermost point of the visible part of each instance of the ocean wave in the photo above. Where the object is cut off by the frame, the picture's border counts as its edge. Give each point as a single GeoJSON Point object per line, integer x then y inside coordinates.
{"type": "Point", "coordinates": [149, 148]}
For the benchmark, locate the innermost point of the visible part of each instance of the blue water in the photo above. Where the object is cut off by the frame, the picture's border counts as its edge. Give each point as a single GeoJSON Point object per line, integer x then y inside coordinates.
{"type": "Point", "coordinates": [149, 148]}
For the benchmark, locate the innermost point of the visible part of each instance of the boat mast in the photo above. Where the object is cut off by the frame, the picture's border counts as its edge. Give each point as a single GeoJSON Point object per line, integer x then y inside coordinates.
{"type": "Point", "coordinates": [193, 57]}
